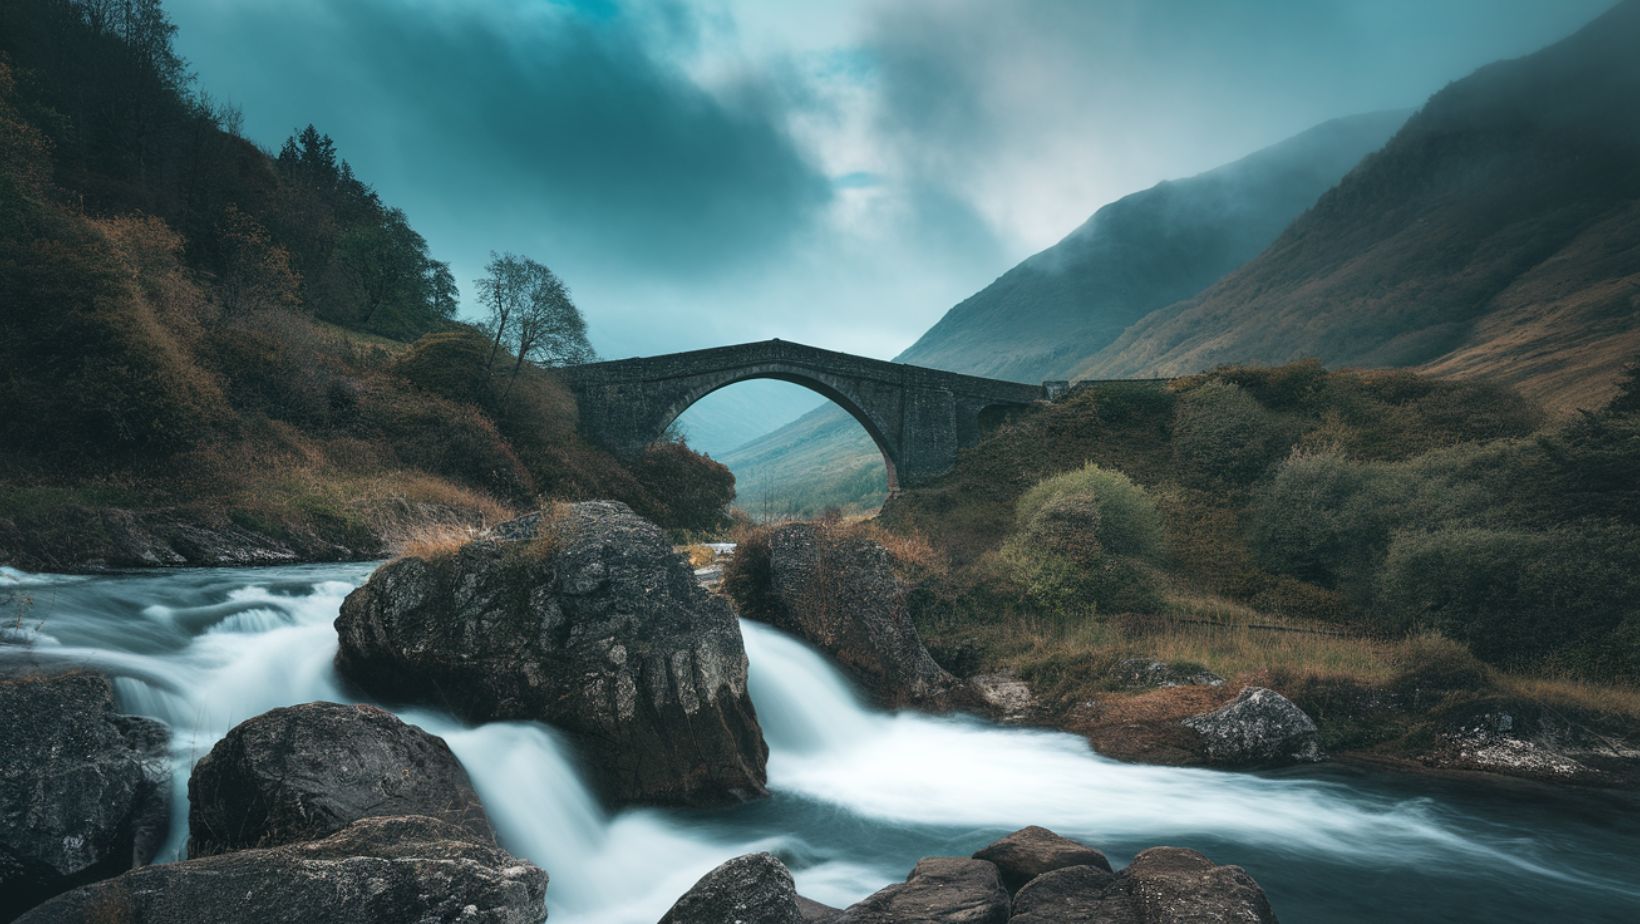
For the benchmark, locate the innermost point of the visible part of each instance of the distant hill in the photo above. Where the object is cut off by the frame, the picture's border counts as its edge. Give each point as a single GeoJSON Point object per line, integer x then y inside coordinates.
{"type": "Point", "coordinates": [1048, 314]}
{"type": "Point", "coordinates": [1045, 316]}
{"type": "Point", "coordinates": [1498, 233]}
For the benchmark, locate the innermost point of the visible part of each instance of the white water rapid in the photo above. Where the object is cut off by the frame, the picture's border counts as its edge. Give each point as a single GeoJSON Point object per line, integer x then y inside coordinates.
{"type": "Point", "coordinates": [859, 794]}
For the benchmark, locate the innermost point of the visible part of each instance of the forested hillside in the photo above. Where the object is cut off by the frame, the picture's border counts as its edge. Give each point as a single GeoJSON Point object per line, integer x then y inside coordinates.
{"type": "Point", "coordinates": [200, 339]}
{"type": "Point", "coordinates": [1497, 234]}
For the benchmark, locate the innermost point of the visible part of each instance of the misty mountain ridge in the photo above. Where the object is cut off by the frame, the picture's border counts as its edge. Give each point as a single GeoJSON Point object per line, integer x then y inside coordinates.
{"type": "Point", "coordinates": [1497, 234]}
{"type": "Point", "coordinates": [1045, 316]}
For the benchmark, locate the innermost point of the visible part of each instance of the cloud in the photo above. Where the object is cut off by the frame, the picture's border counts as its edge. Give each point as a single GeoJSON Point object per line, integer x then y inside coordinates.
{"type": "Point", "coordinates": [835, 172]}
{"type": "Point", "coordinates": [1041, 112]}
{"type": "Point", "coordinates": [561, 116]}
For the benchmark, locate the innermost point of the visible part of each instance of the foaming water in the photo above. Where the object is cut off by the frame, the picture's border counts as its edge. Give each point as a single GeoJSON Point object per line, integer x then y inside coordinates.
{"type": "Point", "coordinates": [858, 794]}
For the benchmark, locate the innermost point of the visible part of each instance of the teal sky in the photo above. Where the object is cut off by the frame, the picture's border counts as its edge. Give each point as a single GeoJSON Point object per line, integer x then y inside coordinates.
{"type": "Point", "coordinates": [838, 173]}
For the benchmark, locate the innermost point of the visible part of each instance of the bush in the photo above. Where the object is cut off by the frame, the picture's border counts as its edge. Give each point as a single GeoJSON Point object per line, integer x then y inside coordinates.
{"type": "Point", "coordinates": [1082, 541]}
{"type": "Point", "coordinates": [1515, 597]}
{"type": "Point", "coordinates": [690, 491]}
{"type": "Point", "coordinates": [449, 364]}
{"type": "Point", "coordinates": [1222, 436]}
{"type": "Point", "coordinates": [1091, 505]}
{"type": "Point", "coordinates": [1325, 518]}
{"type": "Point", "coordinates": [1431, 666]}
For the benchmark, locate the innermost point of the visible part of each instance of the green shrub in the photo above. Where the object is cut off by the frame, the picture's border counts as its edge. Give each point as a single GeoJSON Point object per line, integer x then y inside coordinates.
{"type": "Point", "coordinates": [1325, 518]}
{"type": "Point", "coordinates": [1091, 505]}
{"type": "Point", "coordinates": [1516, 597]}
{"type": "Point", "coordinates": [1082, 543]}
{"type": "Point", "coordinates": [1222, 436]}
{"type": "Point", "coordinates": [1431, 666]}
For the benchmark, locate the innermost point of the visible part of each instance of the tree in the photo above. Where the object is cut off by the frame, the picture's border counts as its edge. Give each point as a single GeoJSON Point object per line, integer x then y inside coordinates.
{"type": "Point", "coordinates": [532, 315]}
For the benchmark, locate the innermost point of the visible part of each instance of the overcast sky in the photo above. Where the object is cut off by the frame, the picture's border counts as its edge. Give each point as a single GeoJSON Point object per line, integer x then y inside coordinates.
{"type": "Point", "coordinates": [837, 172]}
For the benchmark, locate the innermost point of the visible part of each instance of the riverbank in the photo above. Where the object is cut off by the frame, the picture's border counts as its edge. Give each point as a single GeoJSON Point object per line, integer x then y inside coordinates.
{"type": "Point", "coordinates": [1133, 685]}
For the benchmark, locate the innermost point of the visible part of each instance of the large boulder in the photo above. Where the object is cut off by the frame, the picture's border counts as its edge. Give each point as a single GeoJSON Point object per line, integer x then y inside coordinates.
{"type": "Point", "coordinates": [302, 772]}
{"type": "Point", "coordinates": [408, 870]}
{"type": "Point", "coordinates": [940, 890]}
{"type": "Point", "coordinates": [1163, 885]}
{"type": "Point", "coordinates": [755, 889]}
{"type": "Point", "coordinates": [1032, 851]}
{"type": "Point", "coordinates": [1260, 728]}
{"type": "Point", "coordinates": [588, 621]}
{"type": "Point", "coordinates": [84, 790]}
{"type": "Point", "coordinates": [838, 591]}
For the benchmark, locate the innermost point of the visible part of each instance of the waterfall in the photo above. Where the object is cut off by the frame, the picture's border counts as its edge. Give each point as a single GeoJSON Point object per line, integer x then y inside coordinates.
{"type": "Point", "coordinates": [858, 794]}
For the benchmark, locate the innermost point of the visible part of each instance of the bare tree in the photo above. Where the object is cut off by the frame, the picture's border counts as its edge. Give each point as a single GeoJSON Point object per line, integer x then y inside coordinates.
{"type": "Point", "coordinates": [531, 314]}
{"type": "Point", "coordinates": [501, 292]}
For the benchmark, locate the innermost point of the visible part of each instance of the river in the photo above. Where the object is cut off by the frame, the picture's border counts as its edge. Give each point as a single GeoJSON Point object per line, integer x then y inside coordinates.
{"type": "Point", "coordinates": [858, 795]}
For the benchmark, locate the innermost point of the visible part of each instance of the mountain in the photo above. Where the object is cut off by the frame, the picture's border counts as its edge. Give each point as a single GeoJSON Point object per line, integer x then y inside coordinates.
{"type": "Point", "coordinates": [727, 419]}
{"type": "Point", "coordinates": [1049, 313]}
{"type": "Point", "coordinates": [1497, 234]}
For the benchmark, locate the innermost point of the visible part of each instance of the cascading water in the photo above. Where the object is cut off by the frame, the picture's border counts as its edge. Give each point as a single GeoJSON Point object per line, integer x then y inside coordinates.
{"type": "Point", "coordinates": [858, 795]}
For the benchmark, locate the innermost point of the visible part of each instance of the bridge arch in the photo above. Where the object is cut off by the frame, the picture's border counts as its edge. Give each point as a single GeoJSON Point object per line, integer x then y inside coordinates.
{"type": "Point", "coordinates": [918, 417]}
{"type": "Point", "coordinates": [833, 391]}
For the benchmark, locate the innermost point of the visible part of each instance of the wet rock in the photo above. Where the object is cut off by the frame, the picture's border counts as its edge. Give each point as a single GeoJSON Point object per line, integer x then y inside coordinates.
{"type": "Point", "coordinates": [1172, 885]}
{"type": "Point", "coordinates": [1163, 885]}
{"type": "Point", "coordinates": [839, 592]}
{"type": "Point", "coordinates": [814, 912]}
{"type": "Point", "coordinates": [946, 890]}
{"type": "Point", "coordinates": [1148, 672]}
{"type": "Point", "coordinates": [754, 889]}
{"type": "Point", "coordinates": [1259, 727]}
{"type": "Point", "coordinates": [1006, 698]}
{"type": "Point", "coordinates": [408, 870]}
{"type": "Point", "coordinates": [1071, 893]}
{"type": "Point", "coordinates": [1032, 851]}
{"type": "Point", "coordinates": [1521, 738]}
{"type": "Point", "coordinates": [303, 772]}
{"type": "Point", "coordinates": [83, 790]}
{"type": "Point", "coordinates": [595, 626]}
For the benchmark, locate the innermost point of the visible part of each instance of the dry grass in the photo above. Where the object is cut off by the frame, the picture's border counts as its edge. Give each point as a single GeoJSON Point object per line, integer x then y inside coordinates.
{"type": "Point", "coordinates": [434, 540]}
{"type": "Point", "coordinates": [1606, 699]}
{"type": "Point", "coordinates": [700, 556]}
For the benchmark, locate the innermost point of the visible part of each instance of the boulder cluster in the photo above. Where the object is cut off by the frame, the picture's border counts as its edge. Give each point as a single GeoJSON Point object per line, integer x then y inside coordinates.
{"type": "Point", "coordinates": [321, 812]}
{"type": "Point", "coordinates": [1032, 876]}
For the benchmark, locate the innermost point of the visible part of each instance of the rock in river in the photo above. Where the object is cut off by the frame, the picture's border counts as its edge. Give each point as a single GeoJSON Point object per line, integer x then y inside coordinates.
{"type": "Point", "coordinates": [407, 870]}
{"type": "Point", "coordinates": [1259, 727]}
{"type": "Point", "coordinates": [1163, 885]}
{"type": "Point", "coordinates": [83, 789]}
{"type": "Point", "coordinates": [838, 591]}
{"type": "Point", "coordinates": [940, 890]}
{"type": "Point", "coordinates": [303, 772]}
{"type": "Point", "coordinates": [755, 889]}
{"type": "Point", "coordinates": [1030, 852]}
{"type": "Point", "coordinates": [593, 625]}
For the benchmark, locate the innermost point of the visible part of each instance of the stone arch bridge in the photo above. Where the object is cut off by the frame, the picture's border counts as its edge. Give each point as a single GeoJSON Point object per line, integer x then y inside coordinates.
{"type": "Point", "coordinates": [918, 417]}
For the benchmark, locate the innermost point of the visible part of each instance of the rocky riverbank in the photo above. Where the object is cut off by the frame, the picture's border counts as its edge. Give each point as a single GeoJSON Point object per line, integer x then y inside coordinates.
{"type": "Point", "coordinates": [842, 589]}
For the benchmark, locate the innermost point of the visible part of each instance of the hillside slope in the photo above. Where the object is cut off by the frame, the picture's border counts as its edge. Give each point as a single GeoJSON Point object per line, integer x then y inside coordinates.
{"type": "Point", "coordinates": [1498, 233]}
{"type": "Point", "coordinates": [1046, 315]}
